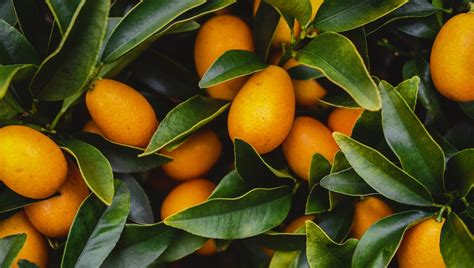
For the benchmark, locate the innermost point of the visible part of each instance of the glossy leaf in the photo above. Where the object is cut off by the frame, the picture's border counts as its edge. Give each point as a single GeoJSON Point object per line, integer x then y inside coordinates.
{"type": "Point", "coordinates": [347, 182]}
{"type": "Point", "coordinates": [96, 229]}
{"type": "Point", "coordinates": [426, 28]}
{"type": "Point", "coordinates": [289, 259]}
{"type": "Point", "coordinates": [323, 53]}
{"type": "Point", "coordinates": [408, 89]}
{"type": "Point", "coordinates": [322, 251]}
{"type": "Point", "coordinates": [297, 9]}
{"type": "Point", "coordinates": [10, 73]}
{"type": "Point", "coordinates": [187, 26]}
{"type": "Point", "coordinates": [140, 245]}
{"type": "Point", "coordinates": [382, 175]}
{"type": "Point", "coordinates": [230, 65]}
{"type": "Point", "coordinates": [320, 167]}
{"type": "Point", "coordinates": [404, 132]}
{"type": "Point", "coordinates": [380, 242]}
{"type": "Point", "coordinates": [14, 47]}
{"type": "Point", "coordinates": [461, 171]}
{"type": "Point", "coordinates": [234, 218]}
{"type": "Point", "coordinates": [181, 245]}
{"type": "Point", "coordinates": [264, 25]}
{"type": "Point", "coordinates": [65, 12]}
{"type": "Point", "coordinates": [142, 22]}
{"type": "Point", "coordinates": [10, 246]}
{"type": "Point", "coordinates": [281, 241]}
{"type": "Point", "coordinates": [9, 107]}
{"type": "Point", "coordinates": [9, 200]}
{"type": "Point", "coordinates": [337, 222]}
{"type": "Point", "coordinates": [302, 72]}
{"type": "Point", "coordinates": [94, 167]}
{"type": "Point", "coordinates": [231, 186]}
{"type": "Point", "coordinates": [140, 207]}
{"type": "Point", "coordinates": [318, 200]}
{"type": "Point", "coordinates": [183, 120]}
{"type": "Point", "coordinates": [7, 12]}
{"type": "Point", "coordinates": [67, 70]}
{"type": "Point", "coordinates": [343, 15]}
{"type": "Point", "coordinates": [456, 243]}
{"type": "Point", "coordinates": [340, 162]}
{"type": "Point", "coordinates": [368, 129]}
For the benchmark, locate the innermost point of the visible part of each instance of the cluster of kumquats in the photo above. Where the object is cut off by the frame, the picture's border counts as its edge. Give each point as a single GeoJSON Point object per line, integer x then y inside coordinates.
{"type": "Point", "coordinates": [133, 122]}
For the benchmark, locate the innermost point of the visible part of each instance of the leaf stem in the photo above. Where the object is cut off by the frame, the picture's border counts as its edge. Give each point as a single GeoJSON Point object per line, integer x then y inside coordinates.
{"type": "Point", "coordinates": [439, 218]}
{"type": "Point", "coordinates": [470, 7]}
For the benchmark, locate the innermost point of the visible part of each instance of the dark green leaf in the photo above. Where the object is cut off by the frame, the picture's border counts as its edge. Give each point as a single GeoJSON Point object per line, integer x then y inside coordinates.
{"type": "Point", "coordinates": [322, 251]}
{"type": "Point", "coordinates": [186, 26]}
{"type": "Point", "coordinates": [96, 229]}
{"type": "Point", "coordinates": [230, 65]}
{"type": "Point", "coordinates": [65, 12]}
{"type": "Point", "coordinates": [183, 120]}
{"type": "Point", "coordinates": [382, 175]}
{"type": "Point", "coordinates": [324, 53]}
{"type": "Point", "coordinates": [264, 25]}
{"type": "Point", "coordinates": [14, 48]}
{"type": "Point", "coordinates": [302, 72]}
{"type": "Point", "coordinates": [343, 15]}
{"type": "Point", "coordinates": [9, 200]}
{"type": "Point", "coordinates": [468, 108]}
{"type": "Point", "coordinates": [339, 163]}
{"type": "Point", "coordinates": [182, 244]}
{"type": "Point", "coordinates": [339, 99]}
{"type": "Point", "coordinates": [293, 9]}
{"type": "Point", "coordinates": [10, 73]}
{"type": "Point", "coordinates": [226, 218]}
{"type": "Point", "coordinates": [10, 246]}
{"type": "Point", "coordinates": [457, 243]}
{"type": "Point", "coordinates": [7, 12]}
{"type": "Point", "coordinates": [231, 186]}
{"type": "Point", "coordinates": [320, 167]}
{"type": "Point", "coordinates": [409, 91]}
{"type": "Point", "coordinates": [140, 207]}
{"type": "Point", "coordinates": [460, 135]}
{"type": "Point", "coordinates": [337, 222]}
{"type": "Point", "coordinates": [9, 107]}
{"type": "Point", "coordinates": [27, 264]}
{"type": "Point", "coordinates": [461, 171]}
{"type": "Point", "coordinates": [318, 200]}
{"type": "Point", "coordinates": [347, 182]}
{"type": "Point", "coordinates": [368, 129]}
{"type": "Point", "coordinates": [281, 241]}
{"type": "Point", "coordinates": [419, 154]}
{"type": "Point", "coordinates": [94, 167]}
{"type": "Point", "coordinates": [289, 259]}
{"type": "Point", "coordinates": [426, 28]}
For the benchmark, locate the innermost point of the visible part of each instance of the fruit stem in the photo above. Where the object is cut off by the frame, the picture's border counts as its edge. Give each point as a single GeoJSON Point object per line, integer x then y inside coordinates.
{"type": "Point", "coordinates": [439, 218]}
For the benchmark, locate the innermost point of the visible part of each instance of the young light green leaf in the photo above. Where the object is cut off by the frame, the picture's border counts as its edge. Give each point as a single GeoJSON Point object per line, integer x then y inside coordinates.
{"type": "Point", "coordinates": [10, 246]}
{"type": "Point", "coordinates": [234, 218]}
{"type": "Point", "coordinates": [65, 12]}
{"type": "Point", "coordinates": [183, 120]}
{"type": "Point", "coordinates": [230, 65]}
{"type": "Point", "coordinates": [94, 167]}
{"type": "Point", "coordinates": [16, 49]}
{"type": "Point", "coordinates": [322, 251]}
{"type": "Point", "coordinates": [382, 175]}
{"type": "Point", "coordinates": [461, 171]}
{"type": "Point", "coordinates": [380, 242]}
{"type": "Point", "coordinates": [264, 25]}
{"type": "Point", "coordinates": [96, 229]}
{"type": "Point", "coordinates": [344, 15]}
{"type": "Point", "coordinates": [350, 73]}
{"type": "Point", "coordinates": [293, 9]}
{"type": "Point", "coordinates": [347, 182]}
{"type": "Point", "coordinates": [456, 243]}
{"type": "Point", "coordinates": [10, 73]}
{"type": "Point", "coordinates": [181, 245]}
{"type": "Point", "coordinates": [409, 91]}
{"type": "Point", "coordinates": [419, 154]}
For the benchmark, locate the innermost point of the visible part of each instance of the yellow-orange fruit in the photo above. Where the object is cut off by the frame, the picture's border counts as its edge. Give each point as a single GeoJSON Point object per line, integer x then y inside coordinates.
{"type": "Point", "coordinates": [195, 157]}
{"type": "Point", "coordinates": [366, 212]}
{"type": "Point", "coordinates": [31, 164]}
{"type": "Point", "coordinates": [121, 112]}
{"type": "Point", "coordinates": [297, 223]}
{"type": "Point", "coordinates": [53, 217]}
{"type": "Point", "coordinates": [263, 111]}
{"type": "Point", "coordinates": [307, 92]}
{"type": "Point", "coordinates": [452, 60]}
{"type": "Point", "coordinates": [35, 248]}
{"type": "Point", "coordinates": [209, 248]}
{"type": "Point", "coordinates": [343, 120]}
{"type": "Point", "coordinates": [420, 246]}
{"type": "Point", "coordinates": [92, 127]}
{"type": "Point", "coordinates": [307, 137]}
{"type": "Point", "coordinates": [218, 35]}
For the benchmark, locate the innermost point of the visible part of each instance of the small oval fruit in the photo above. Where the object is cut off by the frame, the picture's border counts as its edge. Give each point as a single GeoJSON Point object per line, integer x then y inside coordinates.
{"type": "Point", "coordinates": [53, 217]}
{"type": "Point", "coordinates": [209, 248]}
{"type": "Point", "coordinates": [35, 249]}
{"type": "Point", "coordinates": [452, 60]}
{"type": "Point", "coordinates": [297, 223]}
{"type": "Point", "coordinates": [31, 164]}
{"type": "Point", "coordinates": [366, 212]}
{"type": "Point", "coordinates": [420, 246]}
{"type": "Point", "coordinates": [307, 137]}
{"type": "Point", "coordinates": [343, 120]}
{"type": "Point", "coordinates": [121, 112]}
{"type": "Point", "coordinates": [92, 127]}
{"type": "Point", "coordinates": [262, 112]}
{"type": "Point", "coordinates": [195, 157]}
{"type": "Point", "coordinates": [307, 92]}
{"type": "Point", "coordinates": [218, 35]}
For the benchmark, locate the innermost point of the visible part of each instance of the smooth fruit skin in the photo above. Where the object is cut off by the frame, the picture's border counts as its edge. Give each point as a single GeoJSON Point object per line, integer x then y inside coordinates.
{"type": "Point", "coordinates": [366, 212]}
{"type": "Point", "coordinates": [31, 164]}
{"type": "Point", "coordinates": [343, 120]}
{"type": "Point", "coordinates": [195, 157]}
{"type": "Point", "coordinates": [218, 35]}
{"type": "Point", "coordinates": [35, 248]}
{"type": "Point", "coordinates": [420, 246]}
{"type": "Point", "coordinates": [53, 217]}
{"type": "Point", "coordinates": [307, 137]}
{"type": "Point", "coordinates": [452, 60]}
{"type": "Point", "coordinates": [92, 127]}
{"type": "Point", "coordinates": [263, 111]}
{"type": "Point", "coordinates": [297, 223]}
{"type": "Point", "coordinates": [121, 112]}
{"type": "Point", "coordinates": [209, 248]}
{"type": "Point", "coordinates": [307, 92]}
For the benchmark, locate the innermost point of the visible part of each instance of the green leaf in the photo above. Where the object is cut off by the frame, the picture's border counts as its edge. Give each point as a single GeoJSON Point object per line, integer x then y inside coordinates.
{"type": "Point", "coordinates": [9, 200]}
{"type": "Point", "coordinates": [456, 243]}
{"type": "Point", "coordinates": [380, 242]}
{"type": "Point", "coordinates": [264, 25]}
{"type": "Point", "coordinates": [337, 222]}
{"type": "Point", "coordinates": [10, 246]}
{"type": "Point", "coordinates": [9, 107]}
{"type": "Point", "coordinates": [409, 91]}
{"type": "Point", "coordinates": [27, 264]}
{"type": "Point", "coordinates": [281, 241]}
{"type": "Point", "coordinates": [322, 251]}
{"type": "Point", "coordinates": [187, 26]}
{"type": "Point", "coordinates": [231, 186]}
{"type": "Point", "coordinates": [96, 229]}
{"type": "Point", "coordinates": [343, 15]}
{"type": "Point", "coordinates": [320, 167]}
{"type": "Point", "coordinates": [234, 218]}
{"type": "Point", "coordinates": [302, 72]}
{"type": "Point", "coordinates": [94, 167]}
{"type": "Point", "coordinates": [140, 245]}
{"type": "Point", "coordinates": [140, 207]}
{"type": "Point", "coordinates": [368, 129]}
{"type": "Point", "coordinates": [461, 171]}
{"type": "Point", "coordinates": [318, 200]}
{"type": "Point", "coordinates": [230, 65]}
{"type": "Point", "coordinates": [339, 163]}
{"type": "Point", "coordinates": [359, 38]}
{"type": "Point", "coordinates": [419, 154]}
{"type": "Point", "coordinates": [10, 73]}
{"type": "Point", "coordinates": [382, 175]}
{"type": "Point", "coordinates": [67, 70]}
{"type": "Point", "coordinates": [349, 72]}
{"type": "Point", "coordinates": [467, 108]}
{"type": "Point", "coordinates": [124, 158]}
{"type": "Point", "coordinates": [347, 182]}
{"type": "Point", "coordinates": [14, 47]}
{"type": "Point", "coordinates": [7, 12]}
{"type": "Point", "coordinates": [181, 245]}
{"type": "Point", "coordinates": [145, 20]}
{"type": "Point", "coordinates": [291, 259]}
{"type": "Point", "coordinates": [426, 28]}
{"type": "Point", "coordinates": [298, 9]}
{"type": "Point", "coordinates": [65, 12]}
{"type": "Point", "coordinates": [183, 120]}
